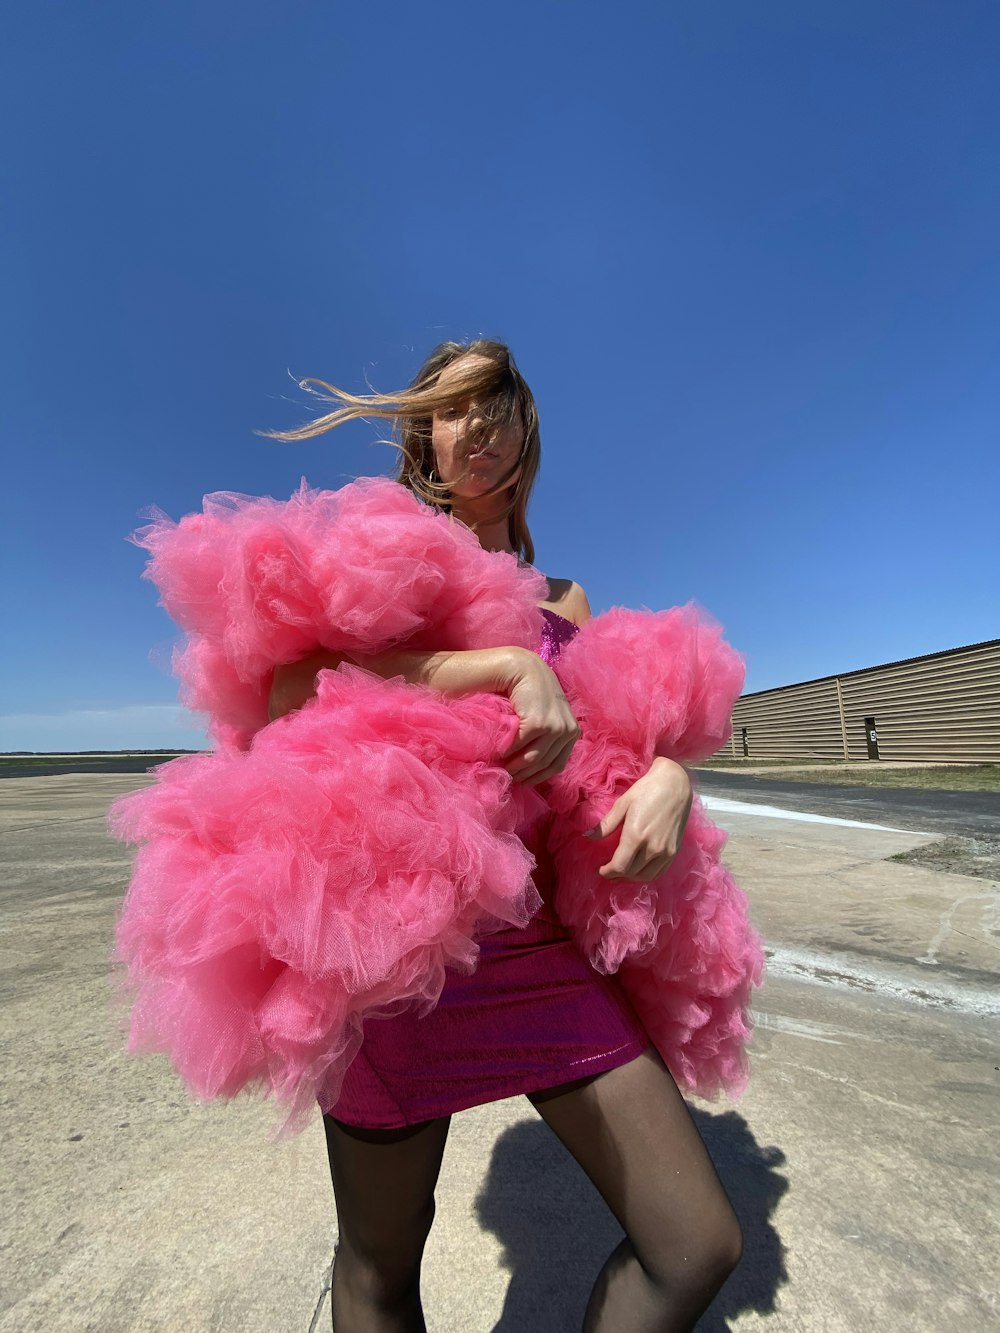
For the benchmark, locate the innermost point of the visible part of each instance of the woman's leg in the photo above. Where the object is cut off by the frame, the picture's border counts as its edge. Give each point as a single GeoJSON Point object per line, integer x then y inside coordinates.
{"type": "Point", "coordinates": [384, 1181]}
{"type": "Point", "coordinates": [633, 1135]}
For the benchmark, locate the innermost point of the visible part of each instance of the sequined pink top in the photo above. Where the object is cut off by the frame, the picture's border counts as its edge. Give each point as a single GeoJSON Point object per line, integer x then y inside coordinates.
{"type": "Point", "coordinates": [556, 633]}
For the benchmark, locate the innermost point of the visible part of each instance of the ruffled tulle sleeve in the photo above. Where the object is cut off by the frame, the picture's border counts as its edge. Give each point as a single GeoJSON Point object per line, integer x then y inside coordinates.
{"type": "Point", "coordinates": [255, 582]}
{"type": "Point", "coordinates": [654, 682]}
{"type": "Point", "coordinates": [331, 865]}
{"type": "Point", "coordinates": [282, 895]}
{"type": "Point", "coordinates": [643, 684]}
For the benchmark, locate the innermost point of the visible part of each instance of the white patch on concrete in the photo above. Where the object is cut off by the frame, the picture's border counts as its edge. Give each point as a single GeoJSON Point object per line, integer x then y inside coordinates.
{"type": "Point", "coordinates": [726, 807]}
{"type": "Point", "coordinates": [799, 1027]}
{"type": "Point", "coordinates": [828, 969]}
{"type": "Point", "coordinates": [947, 920]}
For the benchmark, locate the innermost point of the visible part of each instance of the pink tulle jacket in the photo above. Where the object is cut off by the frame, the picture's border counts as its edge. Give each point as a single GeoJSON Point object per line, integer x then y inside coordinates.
{"type": "Point", "coordinates": [332, 864]}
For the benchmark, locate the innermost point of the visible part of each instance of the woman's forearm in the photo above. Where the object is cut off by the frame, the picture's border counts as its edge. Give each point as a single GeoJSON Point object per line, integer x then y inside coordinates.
{"type": "Point", "coordinates": [463, 671]}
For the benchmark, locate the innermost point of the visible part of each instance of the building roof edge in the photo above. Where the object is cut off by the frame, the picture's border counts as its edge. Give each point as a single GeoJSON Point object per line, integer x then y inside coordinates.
{"type": "Point", "coordinates": [860, 671]}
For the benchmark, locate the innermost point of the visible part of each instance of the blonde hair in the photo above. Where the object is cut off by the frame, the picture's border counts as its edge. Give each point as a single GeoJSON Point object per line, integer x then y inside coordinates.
{"type": "Point", "coordinates": [494, 380]}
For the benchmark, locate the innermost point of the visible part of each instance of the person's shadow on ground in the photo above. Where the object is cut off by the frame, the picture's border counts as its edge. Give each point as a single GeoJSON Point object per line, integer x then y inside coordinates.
{"type": "Point", "coordinates": [557, 1230]}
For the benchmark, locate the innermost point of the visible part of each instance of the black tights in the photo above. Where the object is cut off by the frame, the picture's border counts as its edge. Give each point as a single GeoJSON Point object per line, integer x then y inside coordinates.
{"type": "Point", "coordinates": [633, 1135]}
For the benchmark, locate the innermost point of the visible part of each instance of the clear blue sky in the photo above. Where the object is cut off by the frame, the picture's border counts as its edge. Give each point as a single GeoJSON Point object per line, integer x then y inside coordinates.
{"type": "Point", "coordinates": [745, 254]}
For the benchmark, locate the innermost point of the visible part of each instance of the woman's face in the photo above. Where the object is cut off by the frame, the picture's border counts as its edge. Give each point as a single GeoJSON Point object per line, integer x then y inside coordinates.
{"type": "Point", "coordinates": [466, 460]}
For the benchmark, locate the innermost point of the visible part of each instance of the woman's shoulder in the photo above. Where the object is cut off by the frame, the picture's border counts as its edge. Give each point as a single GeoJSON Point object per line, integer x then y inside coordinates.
{"type": "Point", "coordinates": [567, 598]}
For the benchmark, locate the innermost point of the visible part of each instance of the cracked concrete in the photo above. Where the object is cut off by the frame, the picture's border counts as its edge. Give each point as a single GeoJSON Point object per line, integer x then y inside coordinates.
{"type": "Point", "coordinates": [862, 1160]}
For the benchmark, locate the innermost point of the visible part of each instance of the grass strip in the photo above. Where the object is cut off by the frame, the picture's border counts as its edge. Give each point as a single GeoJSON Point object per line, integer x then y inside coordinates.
{"type": "Point", "coordinates": [937, 777]}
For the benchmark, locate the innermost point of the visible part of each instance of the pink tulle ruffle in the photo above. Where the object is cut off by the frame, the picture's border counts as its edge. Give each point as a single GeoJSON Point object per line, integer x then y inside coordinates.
{"type": "Point", "coordinates": [650, 682]}
{"type": "Point", "coordinates": [682, 945]}
{"type": "Point", "coordinates": [335, 870]}
{"type": "Point", "coordinates": [333, 864]}
{"type": "Point", "coordinates": [643, 684]}
{"type": "Point", "coordinates": [256, 582]}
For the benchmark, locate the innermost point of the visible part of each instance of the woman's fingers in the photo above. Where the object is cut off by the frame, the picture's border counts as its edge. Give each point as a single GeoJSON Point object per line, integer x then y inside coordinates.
{"type": "Point", "coordinates": [548, 730]}
{"type": "Point", "coordinates": [639, 872]}
{"type": "Point", "coordinates": [548, 755]}
{"type": "Point", "coordinates": [557, 763]}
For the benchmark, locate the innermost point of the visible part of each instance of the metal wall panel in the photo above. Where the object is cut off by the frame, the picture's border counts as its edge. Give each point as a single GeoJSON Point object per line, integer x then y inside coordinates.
{"type": "Point", "coordinates": [945, 707]}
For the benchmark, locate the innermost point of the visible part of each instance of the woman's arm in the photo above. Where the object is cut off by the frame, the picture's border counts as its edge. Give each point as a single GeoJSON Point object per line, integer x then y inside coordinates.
{"type": "Point", "coordinates": [654, 810]}
{"type": "Point", "coordinates": [547, 729]}
{"type": "Point", "coordinates": [465, 671]}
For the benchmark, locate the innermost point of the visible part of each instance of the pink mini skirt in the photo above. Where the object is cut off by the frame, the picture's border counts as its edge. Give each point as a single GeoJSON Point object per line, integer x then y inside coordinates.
{"type": "Point", "coordinates": [533, 1015]}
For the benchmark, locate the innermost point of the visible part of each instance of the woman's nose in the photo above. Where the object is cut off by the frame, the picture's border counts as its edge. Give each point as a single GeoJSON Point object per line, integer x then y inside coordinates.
{"type": "Point", "coordinates": [475, 423]}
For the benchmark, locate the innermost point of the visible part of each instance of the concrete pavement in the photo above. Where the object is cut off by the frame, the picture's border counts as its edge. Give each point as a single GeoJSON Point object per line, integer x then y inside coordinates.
{"type": "Point", "coordinates": [862, 1160]}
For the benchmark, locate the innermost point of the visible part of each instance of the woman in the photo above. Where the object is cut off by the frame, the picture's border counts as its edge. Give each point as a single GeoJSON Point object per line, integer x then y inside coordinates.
{"type": "Point", "coordinates": [470, 444]}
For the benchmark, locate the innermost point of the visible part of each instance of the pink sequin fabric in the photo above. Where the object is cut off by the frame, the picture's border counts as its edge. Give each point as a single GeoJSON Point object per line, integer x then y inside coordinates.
{"type": "Point", "coordinates": [533, 1015]}
{"type": "Point", "coordinates": [556, 633]}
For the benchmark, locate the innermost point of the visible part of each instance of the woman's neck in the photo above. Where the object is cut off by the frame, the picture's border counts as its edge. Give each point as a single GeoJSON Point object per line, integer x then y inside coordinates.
{"type": "Point", "coordinates": [493, 534]}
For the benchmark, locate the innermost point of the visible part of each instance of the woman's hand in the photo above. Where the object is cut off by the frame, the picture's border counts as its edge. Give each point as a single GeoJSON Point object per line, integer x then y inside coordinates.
{"type": "Point", "coordinates": [654, 810]}
{"type": "Point", "coordinates": [548, 728]}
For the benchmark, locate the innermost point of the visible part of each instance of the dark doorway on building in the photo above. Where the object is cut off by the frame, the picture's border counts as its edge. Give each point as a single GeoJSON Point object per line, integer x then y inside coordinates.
{"type": "Point", "coordinates": [871, 736]}
{"type": "Point", "coordinates": [746, 744]}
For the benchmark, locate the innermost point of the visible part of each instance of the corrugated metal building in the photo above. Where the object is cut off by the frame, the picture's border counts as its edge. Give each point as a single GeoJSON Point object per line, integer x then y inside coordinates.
{"type": "Point", "coordinates": [944, 707]}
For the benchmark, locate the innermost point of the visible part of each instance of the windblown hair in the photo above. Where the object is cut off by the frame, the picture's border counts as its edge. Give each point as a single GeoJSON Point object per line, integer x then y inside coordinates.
{"type": "Point", "coordinates": [494, 382]}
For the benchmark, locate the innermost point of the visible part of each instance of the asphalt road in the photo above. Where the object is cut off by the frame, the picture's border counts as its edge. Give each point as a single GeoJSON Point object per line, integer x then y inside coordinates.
{"type": "Point", "coordinates": [62, 767]}
{"type": "Point", "coordinates": [967, 814]}
{"type": "Point", "coordinates": [970, 814]}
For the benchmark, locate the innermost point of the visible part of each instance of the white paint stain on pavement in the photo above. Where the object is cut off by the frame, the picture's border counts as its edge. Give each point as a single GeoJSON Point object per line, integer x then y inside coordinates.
{"type": "Point", "coordinates": [991, 918]}
{"type": "Point", "coordinates": [812, 1031]}
{"type": "Point", "coordinates": [841, 972]}
{"type": "Point", "coordinates": [723, 806]}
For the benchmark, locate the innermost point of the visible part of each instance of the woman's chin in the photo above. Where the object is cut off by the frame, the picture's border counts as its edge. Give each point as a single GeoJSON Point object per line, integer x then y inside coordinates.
{"type": "Point", "coordinates": [476, 488]}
